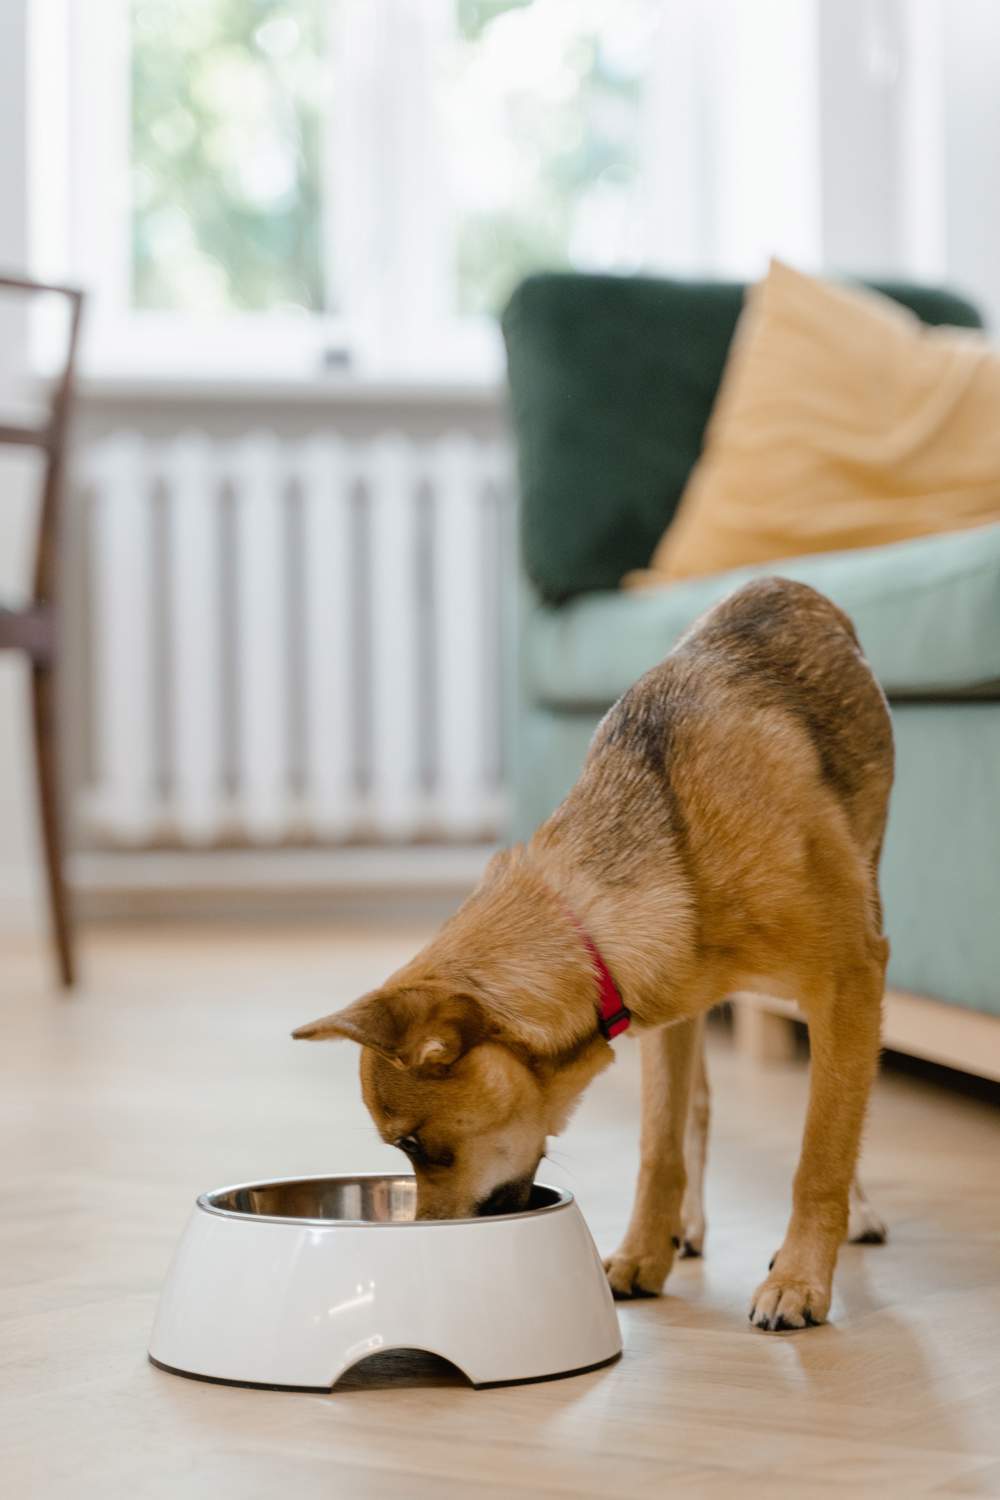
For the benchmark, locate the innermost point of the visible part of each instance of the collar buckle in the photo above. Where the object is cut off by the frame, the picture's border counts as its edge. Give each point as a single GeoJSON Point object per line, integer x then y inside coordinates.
{"type": "Point", "coordinates": [614, 1024]}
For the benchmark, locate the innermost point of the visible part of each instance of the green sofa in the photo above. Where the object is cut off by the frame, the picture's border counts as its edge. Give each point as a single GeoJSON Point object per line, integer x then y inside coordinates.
{"type": "Point", "coordinates": [611, 382]}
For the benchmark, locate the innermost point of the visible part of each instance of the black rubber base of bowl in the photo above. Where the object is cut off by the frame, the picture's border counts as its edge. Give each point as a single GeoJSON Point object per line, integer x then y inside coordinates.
{"type": "Point", "coordinates": [601, 1364]}
{"type": "Point", "coordinates": [325, 1390]}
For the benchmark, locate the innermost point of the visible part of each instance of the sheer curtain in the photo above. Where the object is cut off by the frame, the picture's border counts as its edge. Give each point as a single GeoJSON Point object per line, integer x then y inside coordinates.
{"type": "Point", "coordinates": [860, 137]}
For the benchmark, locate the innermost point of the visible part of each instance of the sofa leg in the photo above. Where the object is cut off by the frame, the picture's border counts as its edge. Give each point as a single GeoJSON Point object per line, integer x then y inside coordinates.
{"type": "Point", "coordinates": [762, 1035]}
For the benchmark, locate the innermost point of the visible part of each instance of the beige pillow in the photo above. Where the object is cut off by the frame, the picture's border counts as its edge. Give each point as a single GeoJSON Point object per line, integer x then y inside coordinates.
{"type": "Point", "coordinates": [841, 421]}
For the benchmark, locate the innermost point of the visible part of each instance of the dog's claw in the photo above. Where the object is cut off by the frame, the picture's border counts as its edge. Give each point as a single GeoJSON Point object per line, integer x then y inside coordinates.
{"type": "Point", "coordinates": [633, 1276]}
{"type": "Point", "coordinates": [782, 1304]}
{"type": "Point", "coordinates": [635, 1293]}
{"type": "Point", "coordinates": [871, 1237]}
{"type": "Point", "coordinates": [780, 1324]}
{"type": "Point", "coordinates": [864, 1227]}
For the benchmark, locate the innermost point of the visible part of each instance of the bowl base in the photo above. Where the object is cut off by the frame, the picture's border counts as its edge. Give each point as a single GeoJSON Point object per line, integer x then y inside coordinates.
{"type": "Point", "coordinates": [326, 1390]}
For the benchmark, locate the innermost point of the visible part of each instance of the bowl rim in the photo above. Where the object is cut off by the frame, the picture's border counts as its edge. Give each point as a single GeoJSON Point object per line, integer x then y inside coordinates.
{"type": "Point", "coordinates": [204, 1202]}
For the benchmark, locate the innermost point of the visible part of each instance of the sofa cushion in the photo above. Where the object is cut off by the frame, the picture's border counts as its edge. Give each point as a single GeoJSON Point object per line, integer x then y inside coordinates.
{"type": "Point", "coordinates": [927, 612]}
{"type": "Point", "coordinates": [841, 421]}
{"type": "Point", "coordinates": [612, 380]}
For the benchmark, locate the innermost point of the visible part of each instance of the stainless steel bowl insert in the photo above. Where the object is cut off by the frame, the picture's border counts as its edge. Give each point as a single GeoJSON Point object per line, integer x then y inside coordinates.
{"type": "Point", "coordinates": [365, 1199]}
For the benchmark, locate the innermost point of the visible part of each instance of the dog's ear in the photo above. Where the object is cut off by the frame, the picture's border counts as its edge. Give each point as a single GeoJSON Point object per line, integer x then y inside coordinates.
{"type": "Point", "coordinates": [427, 1028]}
{"type": "Point", "coordinates": [439, 1027]}
{"type": "Point", "coordinates": [370, 1021]}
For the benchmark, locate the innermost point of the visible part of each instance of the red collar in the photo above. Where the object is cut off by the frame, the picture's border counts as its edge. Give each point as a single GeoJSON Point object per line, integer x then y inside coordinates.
{"type": "Point", "coordinates": [613, 1015]}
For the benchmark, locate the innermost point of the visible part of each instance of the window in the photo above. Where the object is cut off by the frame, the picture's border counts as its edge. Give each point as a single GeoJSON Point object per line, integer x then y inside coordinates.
{"type": "Point", "coordinates": [538, 114]}
{"type": "Point", "coordinates": [550, 95]}
{"type": "Point", "coordinates": [283, 187]}
{"type": "Point", "coordinates": [226, 137]}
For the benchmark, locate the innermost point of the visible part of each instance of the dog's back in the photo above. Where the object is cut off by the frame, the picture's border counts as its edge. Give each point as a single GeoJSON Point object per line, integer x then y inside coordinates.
{"type": "Point", "coordinates": [789, 649]}
{"type": "Point", "coordinates": [775, 661]}
{"type": "Point", "coordinates": [756, 760]}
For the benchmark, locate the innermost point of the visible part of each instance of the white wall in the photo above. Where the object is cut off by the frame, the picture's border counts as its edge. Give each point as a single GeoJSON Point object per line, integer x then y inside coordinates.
{"type": "Point", "coordinates": [20, 884]}
{"type": "Point", "coordinates": [910, 116]}
{"type": "Point", "coordinates": [971, 54]}
{"type": "Point", "coordinates": [859, 65]}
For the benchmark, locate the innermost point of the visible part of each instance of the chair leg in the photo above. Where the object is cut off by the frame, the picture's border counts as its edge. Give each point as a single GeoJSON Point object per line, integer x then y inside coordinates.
{"type": "Point", "coordinates": [43, 703]}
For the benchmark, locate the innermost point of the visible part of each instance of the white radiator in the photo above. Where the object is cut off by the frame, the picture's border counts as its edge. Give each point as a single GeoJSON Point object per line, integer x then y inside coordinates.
{"type": "Point", "coordinates": [296, 641]}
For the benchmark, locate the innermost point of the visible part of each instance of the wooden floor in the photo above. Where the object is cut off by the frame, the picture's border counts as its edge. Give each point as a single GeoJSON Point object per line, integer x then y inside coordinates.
{"type": "Point", "coordinates": [172, 1071]}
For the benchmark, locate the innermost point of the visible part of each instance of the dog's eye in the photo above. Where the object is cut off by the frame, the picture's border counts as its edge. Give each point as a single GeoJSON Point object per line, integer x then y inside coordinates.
{"type": "Point", "coordinates": [415, 1149]}
{"type": "Point", "coordinates": [410, 1144]}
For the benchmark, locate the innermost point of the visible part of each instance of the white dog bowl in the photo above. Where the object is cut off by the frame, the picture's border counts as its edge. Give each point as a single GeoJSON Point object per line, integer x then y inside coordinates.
{"type": "Point", "coordinates": [291, 1283]}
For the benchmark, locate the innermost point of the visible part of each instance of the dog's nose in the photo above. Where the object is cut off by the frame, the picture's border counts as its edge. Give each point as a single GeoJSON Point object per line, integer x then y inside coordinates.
{"type": "Point", "coordinates": [508, 1198]}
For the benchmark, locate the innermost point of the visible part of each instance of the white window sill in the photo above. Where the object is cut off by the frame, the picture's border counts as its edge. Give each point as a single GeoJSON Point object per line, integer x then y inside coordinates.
{"type": "Point", "coordinates": [263, 358]}
{"type": "Point", "coordinates": [335, 390]}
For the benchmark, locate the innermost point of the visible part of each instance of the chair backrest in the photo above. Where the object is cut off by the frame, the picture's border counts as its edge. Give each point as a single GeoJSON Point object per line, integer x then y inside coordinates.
{"type": "Point", "coordinates": [51, 435]}
{"type": "Point", "coordinates": [612, 380]}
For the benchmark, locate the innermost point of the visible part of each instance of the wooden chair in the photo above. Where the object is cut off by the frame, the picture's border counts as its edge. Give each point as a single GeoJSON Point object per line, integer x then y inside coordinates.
{"type": "Point", "coordinates": [34, 629]}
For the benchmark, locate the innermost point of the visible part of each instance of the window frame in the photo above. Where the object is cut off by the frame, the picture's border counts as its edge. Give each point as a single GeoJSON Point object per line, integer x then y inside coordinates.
{"type": "Point", "coordinates": [720, 189]}
{"type": "Point", "coordinates": [83, 60]}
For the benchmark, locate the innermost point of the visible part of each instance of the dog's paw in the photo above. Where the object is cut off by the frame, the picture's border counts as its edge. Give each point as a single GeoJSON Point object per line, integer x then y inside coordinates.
{"type": "Point", "coordinates": [692, 1240]}
{"type": "Point", "coordinates": [784, 1302]}
{"type": "Point", "coordinates": [865, 1227]}
{"type": "Point", "coordinates": [637, 1275]}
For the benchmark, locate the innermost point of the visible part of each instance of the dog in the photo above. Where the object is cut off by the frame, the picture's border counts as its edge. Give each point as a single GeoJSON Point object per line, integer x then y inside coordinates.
{"type": "Point", "coordinates": [724, 835]}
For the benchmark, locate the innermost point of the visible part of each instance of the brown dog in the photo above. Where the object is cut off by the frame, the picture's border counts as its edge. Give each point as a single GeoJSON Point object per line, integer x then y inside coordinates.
{"type": "Point", "coordinates": [724, 836]}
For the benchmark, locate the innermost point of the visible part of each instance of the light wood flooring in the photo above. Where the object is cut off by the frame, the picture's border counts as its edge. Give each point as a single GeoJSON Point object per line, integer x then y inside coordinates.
{"type": "Point", "coordinates": [172, 1071]}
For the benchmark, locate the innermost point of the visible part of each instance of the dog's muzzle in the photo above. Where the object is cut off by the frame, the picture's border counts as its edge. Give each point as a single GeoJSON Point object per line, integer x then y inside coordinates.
{"type": "Point", "coordinates": [508, 1198]}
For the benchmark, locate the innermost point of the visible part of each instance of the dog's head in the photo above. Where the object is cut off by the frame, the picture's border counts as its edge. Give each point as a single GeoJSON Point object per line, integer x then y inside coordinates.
{"type": "Point", "coordinates": [467, 1101]}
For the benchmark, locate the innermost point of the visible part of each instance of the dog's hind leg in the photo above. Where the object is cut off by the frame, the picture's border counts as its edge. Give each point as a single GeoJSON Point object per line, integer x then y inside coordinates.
{"type": "Point", "coordinates": [642, 1261]}
{"type": "Point", "coordinates": [695, 1152]}
{"type": "Point", "coordinates": [844, 1022]}
{"type": "Point", "coordinates": [864, 1227]}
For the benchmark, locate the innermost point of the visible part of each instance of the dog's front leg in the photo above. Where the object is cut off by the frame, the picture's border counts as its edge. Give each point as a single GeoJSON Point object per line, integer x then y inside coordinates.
{"type": "Point", "coordinates": [642, 1261]}
{"type": "Point", "coordinates": [844, 1026]}
{"type": "Point", "coordinates": [696, 1152]}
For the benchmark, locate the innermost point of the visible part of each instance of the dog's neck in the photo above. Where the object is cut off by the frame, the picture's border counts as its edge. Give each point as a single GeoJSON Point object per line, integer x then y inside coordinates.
{"type": "Point", "coordinates": [516, 944]}
{"type": "Point", "coordinates": [642, 926]}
